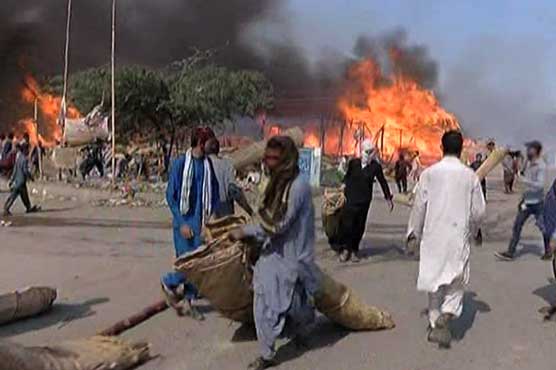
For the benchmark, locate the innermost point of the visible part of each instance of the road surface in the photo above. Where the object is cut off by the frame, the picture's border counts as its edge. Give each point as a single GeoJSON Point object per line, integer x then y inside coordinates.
{"type": "Point", "coordinates": [106, 263]}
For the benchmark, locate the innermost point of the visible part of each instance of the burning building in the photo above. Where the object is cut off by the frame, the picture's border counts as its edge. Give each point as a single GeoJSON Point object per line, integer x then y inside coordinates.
{"type": "Point", "coordinates": [395, 111]}
{"type": "Point", "coordinates": [48, 110]}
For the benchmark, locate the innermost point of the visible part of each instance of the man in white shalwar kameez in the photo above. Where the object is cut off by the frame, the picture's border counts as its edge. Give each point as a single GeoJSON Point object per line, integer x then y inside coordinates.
{"type": "Point", "coordinates": [448, 207]}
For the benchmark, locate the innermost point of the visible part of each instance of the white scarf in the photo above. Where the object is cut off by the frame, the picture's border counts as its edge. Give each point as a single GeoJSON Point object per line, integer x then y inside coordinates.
{"type": "Point", "coordinates": [367, 153]}
{"type": "Point", "coordinates": [187, 182]}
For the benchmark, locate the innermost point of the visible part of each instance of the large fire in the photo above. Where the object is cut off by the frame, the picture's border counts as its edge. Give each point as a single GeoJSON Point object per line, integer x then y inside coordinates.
{"type": "Point", "coordinates": [48, 132]}
{"type": "Point", "coordinates": [395, 111]}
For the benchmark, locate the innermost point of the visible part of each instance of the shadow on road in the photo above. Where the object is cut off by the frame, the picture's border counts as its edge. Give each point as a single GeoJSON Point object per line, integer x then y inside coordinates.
{"type": "Point", "coordinates": [471, 307]}
{"type": "Point", "coordinates": [245, 333]}
{"type": "Point", "coordinates": [374, 252]}
{"type": "Point", "coordinates": [20, 221]}
{"type": "Point", "coordinates": [324, 334]}
{"type": "Point", "coordinates": [58, 210]}
{"type": "Point", "coordinates": [62, 314]}
{"type": "Point", "coordinates": [547, 292]}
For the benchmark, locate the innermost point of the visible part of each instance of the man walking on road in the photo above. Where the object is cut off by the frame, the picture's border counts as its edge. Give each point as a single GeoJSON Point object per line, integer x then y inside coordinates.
{"type": "Point", "coordinates": [449, 205]}
{"type": "Point", "coordinates": [285, 276]}
{"type": "Point", "coordinates": [7, 146]}
{"type": "Point", "coordinates": [401, 171]}
{"type": "Point", "coordinates": [358, 181]}
{"type": "Point", "coordinates": [531, 204]}
{"type": "Point", "coordinates": [18, 181]}
{"type": "Point", "coordinates": [475, 165]}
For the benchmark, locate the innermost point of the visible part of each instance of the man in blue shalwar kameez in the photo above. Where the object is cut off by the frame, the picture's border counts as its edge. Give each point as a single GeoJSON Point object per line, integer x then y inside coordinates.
{"type": "Point", "coordinates": [192, 197]}
{"type": "Point", "coordinates": [285, 276]}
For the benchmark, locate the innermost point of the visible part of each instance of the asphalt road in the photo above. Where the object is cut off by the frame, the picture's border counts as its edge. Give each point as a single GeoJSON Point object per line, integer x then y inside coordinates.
{"type": "Point", "coordinates": [106, 263]}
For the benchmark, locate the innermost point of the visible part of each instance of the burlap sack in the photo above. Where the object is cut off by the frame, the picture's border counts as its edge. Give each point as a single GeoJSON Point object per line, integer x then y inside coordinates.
{"type": "Point", "coordinates": [222, 270]}
{"type": "Point", "coordinates": [253, 153]}
{"type": "Point", "coordinates": [96, 353]}
{"type": "Point", "coordinates": [25, 303]}
{"type": "Point", "coordinates": [342, 306]}
{"type": "Point", "coordinates": [332, 205]}
{"type": "Point", "coordinates": [217, 228]}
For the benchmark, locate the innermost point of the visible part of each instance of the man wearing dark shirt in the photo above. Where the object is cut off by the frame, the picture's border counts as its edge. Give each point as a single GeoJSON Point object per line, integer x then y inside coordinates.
{"type": "Point", "coordinates": [358, 181]}
{"type": "Point", "coordinates": [402, 169]}
{"type": "Point", "coordinates": [475, 166]}
{"type": "Point", "coordinates": [8, 146]}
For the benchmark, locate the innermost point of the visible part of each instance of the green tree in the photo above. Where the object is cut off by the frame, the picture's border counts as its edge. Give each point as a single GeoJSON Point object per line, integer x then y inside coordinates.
{"type": "Point", "coordinates": [212, 94]}
{"type": "Point", "coordinates": [184, 94]}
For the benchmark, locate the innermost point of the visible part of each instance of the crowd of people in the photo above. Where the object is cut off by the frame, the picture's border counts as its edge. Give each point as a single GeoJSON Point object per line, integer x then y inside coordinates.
{"type": "Point", "coordinates": [445, 214]}
{"type": "Point", "coordinates": [449, 206]}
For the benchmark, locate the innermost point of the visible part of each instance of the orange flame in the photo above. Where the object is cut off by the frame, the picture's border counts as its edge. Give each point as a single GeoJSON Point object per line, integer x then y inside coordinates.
{"type": "Point", "coordinates": [396, 112]}
{"type": "Point", "coordinates": [49, 107]}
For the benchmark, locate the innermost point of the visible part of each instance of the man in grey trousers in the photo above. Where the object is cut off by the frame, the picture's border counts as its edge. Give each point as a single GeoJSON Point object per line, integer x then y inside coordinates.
{"type": "Point", "coordinates": [18, 181]}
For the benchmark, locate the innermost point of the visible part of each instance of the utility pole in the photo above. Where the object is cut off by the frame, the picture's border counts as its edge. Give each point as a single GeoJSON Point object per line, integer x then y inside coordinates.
{"type": "Point", "coordinates": [36, 122]}
{"type": "Point", "coordinates": [113, 87]}
{"type": "Point", "coordinates": [66, 69]}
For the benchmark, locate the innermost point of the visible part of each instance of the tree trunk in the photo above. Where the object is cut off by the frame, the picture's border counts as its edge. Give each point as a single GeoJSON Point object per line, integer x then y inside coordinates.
{"type": "Point", "coordinates": [168, 155]}
{"type": "Point", "coordinates": [132, 321]}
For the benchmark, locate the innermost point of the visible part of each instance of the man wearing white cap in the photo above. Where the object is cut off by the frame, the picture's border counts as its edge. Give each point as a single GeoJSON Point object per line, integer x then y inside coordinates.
{"type": "Point", "coordinates": [359, 179]}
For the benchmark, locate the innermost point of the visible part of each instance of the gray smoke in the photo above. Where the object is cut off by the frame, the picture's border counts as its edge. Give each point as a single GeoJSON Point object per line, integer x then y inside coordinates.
{"type": "Point", "coordinates": [155, 33]}
{"type": "Point", "coordinates": [499, 89]}
{"type": "Point", "coordinates": [396, 57]}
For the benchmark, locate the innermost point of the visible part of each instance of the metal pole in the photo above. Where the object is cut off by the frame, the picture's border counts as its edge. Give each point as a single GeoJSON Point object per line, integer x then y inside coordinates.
{"type": "Point", "coordinates": [113, 63]}
{"type": "Point", "coordinates": [66, 67]}
{"type": "Point", "coordinates": [38, 148]}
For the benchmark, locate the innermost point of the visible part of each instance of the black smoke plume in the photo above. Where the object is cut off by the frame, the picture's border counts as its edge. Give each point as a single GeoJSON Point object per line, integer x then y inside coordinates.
{"type": "Point", "coordinates": [156, 33]}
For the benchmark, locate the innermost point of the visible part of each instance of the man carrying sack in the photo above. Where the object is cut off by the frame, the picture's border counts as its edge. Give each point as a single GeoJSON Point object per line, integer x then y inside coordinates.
{"type": "Point", "coordinates": [285, 275]}
{"type": "Point", "coordinates": [192, 197]}
{"type": "Point", "coordinates": [449, 204]}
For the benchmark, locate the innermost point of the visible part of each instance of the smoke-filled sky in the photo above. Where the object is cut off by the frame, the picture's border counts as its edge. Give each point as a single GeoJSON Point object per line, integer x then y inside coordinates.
{"type": "Point", "coordinates": [487, 60]}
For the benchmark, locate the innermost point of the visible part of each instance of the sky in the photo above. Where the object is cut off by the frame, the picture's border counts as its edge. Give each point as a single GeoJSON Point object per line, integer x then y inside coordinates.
{"type": "Point", "coordinates": [494, 56]}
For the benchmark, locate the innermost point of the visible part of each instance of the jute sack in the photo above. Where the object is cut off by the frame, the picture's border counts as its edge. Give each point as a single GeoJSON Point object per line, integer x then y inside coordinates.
{"type": "Point", "coordinates": [96, 353]}
{"type": "Point", "coordinates": [332, 205]}
{"type": "Point", "coordinates": [25, 303]}
{"type": "Point", "coordinates": [340, 304]}
{"type": "Point", "coordinates": [215, 229]}
{"type": "Point", "coordinates": [254, 153]}
{"type": "Point", "coordinates": [221, 270]}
